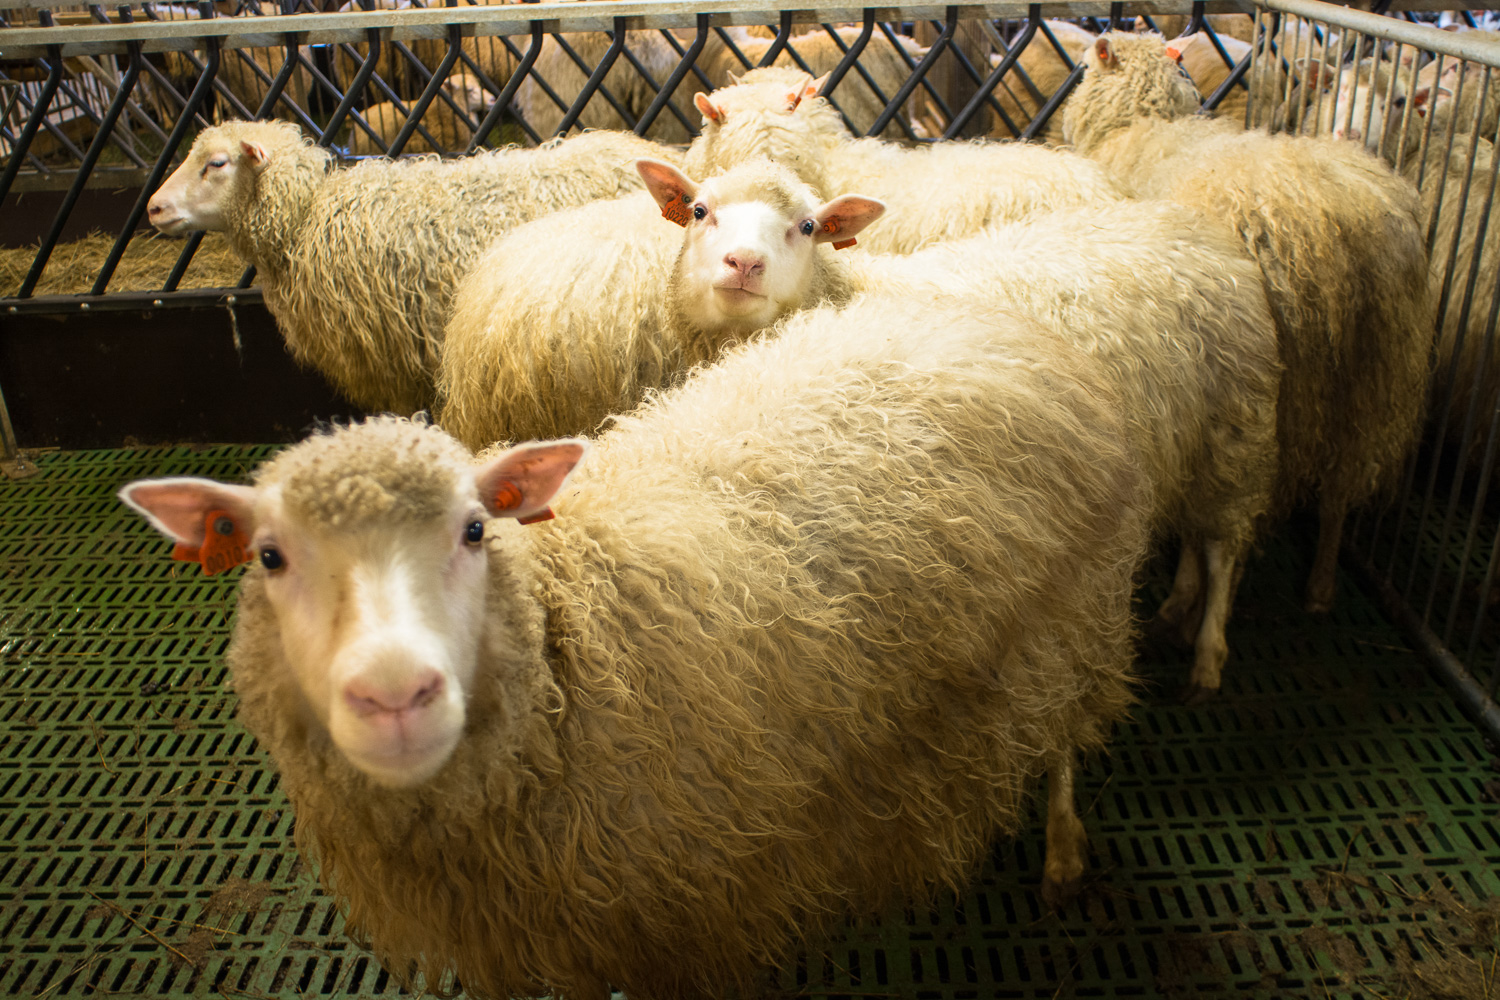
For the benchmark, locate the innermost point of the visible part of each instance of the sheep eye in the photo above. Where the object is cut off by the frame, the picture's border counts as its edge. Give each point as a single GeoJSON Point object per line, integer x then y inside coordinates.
{"type": "Point", "coordinates": [474, 533]}
{"type": "Point", "coordinates": [699, 211]}
{"type": "Point", "coordinates": [1399, 102]}
{"type": "Point", "coordinates": [270, 558]}
{"type": "Point", "coordinates": [807, 227]}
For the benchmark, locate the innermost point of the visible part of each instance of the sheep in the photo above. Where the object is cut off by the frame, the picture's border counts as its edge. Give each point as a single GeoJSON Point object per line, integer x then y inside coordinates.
{"type": "Point", "coordinates": [440, 120]}
{"type": "Point", "coordinates": [359, 266]}
{"type": "Point", "coordinates": [1229, 27]}
{"type": "Point", "coordinates": [1339, 244]}
{"type": "Point", "coordinates": [888, 68]}
{"type": "Point", "coordinates": [939, 192]}
{"type": "Point", "coordinates": [800, 635]}
{"type": "Point", "coordinates": [1200, 59]}
{"type": "Point", "coordinates": [240, 74]}
{"type": "Point", "coordinates": [544, 346]}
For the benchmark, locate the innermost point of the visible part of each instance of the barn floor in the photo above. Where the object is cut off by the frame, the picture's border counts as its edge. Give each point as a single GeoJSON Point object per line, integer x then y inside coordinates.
{"type": "Point", "coordinates": [1322, 830]}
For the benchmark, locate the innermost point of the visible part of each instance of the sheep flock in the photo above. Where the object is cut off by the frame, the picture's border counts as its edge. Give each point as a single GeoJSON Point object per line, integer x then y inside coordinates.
{"type": "Point", "coordinates": [751, 529]}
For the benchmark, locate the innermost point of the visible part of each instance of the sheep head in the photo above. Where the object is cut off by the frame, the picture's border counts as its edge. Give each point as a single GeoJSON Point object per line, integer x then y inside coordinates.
{"type": "Point", "coordinates": [749, 247]}
{"type": "Point", "coordinates": [368, 544]}
{"type": "Point", "coordinates": [772, 113]}
{"type": "Point", "coordinates": [1128, 77]}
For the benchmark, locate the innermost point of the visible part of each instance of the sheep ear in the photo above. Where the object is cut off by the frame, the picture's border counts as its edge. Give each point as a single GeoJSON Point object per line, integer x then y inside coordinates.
{"type": "Point", "coordinates": [733, 78]}
{"type": "Point", "coordinates": [1313, 74]}
{"type": "Point", "coordinates": [706, 106]}
{"type": "Point", "coordinates": [671, 188]}
{"type": "Point", "coordinates": [211, 523]}
{"type": "Point", "coordinates": [522, 481]}
{"type": "Point", "coordinates": [1104, 51]}
{"type": "Point", "coordinates": [844, 217]}
{"type": "Point", "coordinates": [257, 154]}
{"type": "Point", "coordinates": [815, 87]}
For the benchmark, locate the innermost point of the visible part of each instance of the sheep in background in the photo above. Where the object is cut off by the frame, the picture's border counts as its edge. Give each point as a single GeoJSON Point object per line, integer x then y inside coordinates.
{"type": "Point", "coordinates": [939, 192]}
{"type": "Point", "coordinates": [1229, 27]}
{"type": "Point", "coordinates": [548, 344]}
{"type": "Point", "coordinates": [359, 266]}
{"type": "Point", "coordinates": [440, 120]}
{"type": "Point", "coordinates": [801, 635]}
{"type": "Point", "coordinates": [544, 344]}
{"type": "Point", "coordinates": [240, 74]}
{"type": "Point", "coordinates": [1338, 240]}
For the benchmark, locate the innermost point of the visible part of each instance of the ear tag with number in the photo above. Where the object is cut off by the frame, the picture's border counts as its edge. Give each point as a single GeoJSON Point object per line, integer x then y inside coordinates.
{"type": "Point", "coordinates": [676, 211]}
{"type": "Point", "coordinates": [224, 545]}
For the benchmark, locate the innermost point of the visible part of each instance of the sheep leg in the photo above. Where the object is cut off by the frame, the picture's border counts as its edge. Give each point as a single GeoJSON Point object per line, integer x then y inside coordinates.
{"type": "Point", "coordinates": [1211, 649]}
{"type": "Point", "coordinates": [1177, 615]}
{"type": "Point", "coordinates": [1323, 579]}
{"type": "Point", "coordinates": [1067, 843]}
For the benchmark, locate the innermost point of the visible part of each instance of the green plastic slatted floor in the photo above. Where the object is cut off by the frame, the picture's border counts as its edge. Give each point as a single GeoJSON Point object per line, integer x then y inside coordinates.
{"type": "Point", "coordinates": [1322, 830]}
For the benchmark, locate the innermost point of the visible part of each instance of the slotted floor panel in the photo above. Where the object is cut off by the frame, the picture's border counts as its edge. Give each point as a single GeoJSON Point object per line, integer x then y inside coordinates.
{"type": "Point", "coordinates": [1324, 829]}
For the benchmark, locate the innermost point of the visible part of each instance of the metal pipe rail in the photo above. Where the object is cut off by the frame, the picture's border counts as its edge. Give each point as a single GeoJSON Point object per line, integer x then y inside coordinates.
{"type": "Point", "coordinates": [511, 19]}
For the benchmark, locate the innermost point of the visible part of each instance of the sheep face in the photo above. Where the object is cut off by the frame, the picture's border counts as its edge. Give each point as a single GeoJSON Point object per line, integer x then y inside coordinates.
{"type": "Point", "coordinates": [373, 565]}
{"type": "Point", "coordinates": [200, 193]}
{"type": "Point", "coordinates": [749, 243]}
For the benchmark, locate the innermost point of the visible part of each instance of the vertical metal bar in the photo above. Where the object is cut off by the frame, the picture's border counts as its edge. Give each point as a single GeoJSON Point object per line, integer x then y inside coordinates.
{"type": "Point", "coordinates": [34, 120]}
{"type": "Point", "coordinates": [605, 64]}
{"type": "Point", "coordinates": [361, 78]}
{"type": "Point", "coordinates": [13, 465]}
{"type": "Point", "coordinates": [439, 76]}
{"type": "Point", "coordinates": [678, 75]}
{"type": "Point", "coordinates": [783, 32]}
{"type": "Point", "coordinates": [891, 110]}
{"type": "Point", "coordinates": [956, 125]}
{"type": "Point", "coordinates": [851, 55]}
{"type": "Point", "coordinates": [85, 169]}
{"type": "Point", "coordinates": [502, 103]}
{"type": "Point", "coordinates": [184, 121]}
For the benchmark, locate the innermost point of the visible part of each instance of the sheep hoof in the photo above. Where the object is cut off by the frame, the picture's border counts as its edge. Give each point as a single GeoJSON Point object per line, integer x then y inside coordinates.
{"type": "Point", "coordinates": [1195, 693]}
{"type": "Point", "coordinates": [1057, 893]}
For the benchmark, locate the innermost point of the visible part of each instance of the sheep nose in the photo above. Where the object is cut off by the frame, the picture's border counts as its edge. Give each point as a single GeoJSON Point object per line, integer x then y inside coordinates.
{"type": "Point", "coordinates": [414, 691]}
{"type": "Point", "coordinates": [1352, 134]}
{"type": "Point", "coordinates": [153, 209]}
{"type": "Point", "coordinates": [746, 263]}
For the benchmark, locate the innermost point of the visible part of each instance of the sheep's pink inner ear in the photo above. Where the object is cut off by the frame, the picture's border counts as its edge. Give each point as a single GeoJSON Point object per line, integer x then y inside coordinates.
{"type": "Point", "coordinates": [1105, 53]}
{"type": "Point", "coordinates": [670, 187]}
{"type": "Point", "coordinates": [177, 507]}
{"type": "Point", "coordinates": [255, 153]}
{"type": "Point", "coordinates": [522, 481]}
{"type": "Point", "coordinates": [841, 219]}
{"type": "Point", "coordinates": [706, 106]}
{"type": "Point", "coordinates": [815, 87]}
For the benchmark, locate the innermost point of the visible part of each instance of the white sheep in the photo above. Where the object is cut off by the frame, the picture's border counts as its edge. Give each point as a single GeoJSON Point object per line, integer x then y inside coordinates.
{"type": "Point", "coordinates": [939, 192]}
{"type": "Point", "coordinates": [1339, 244]}
{"type": "Point", "coordinates": [575, 316]}
{"type": "Point", "coordinates": [547, 345]}
{"type": "Point", "coordinates": [801, 634]}
{"type": "Point", "coordinates": [451, 133]}
{"type": "Point", "coordinates": [359, 266]}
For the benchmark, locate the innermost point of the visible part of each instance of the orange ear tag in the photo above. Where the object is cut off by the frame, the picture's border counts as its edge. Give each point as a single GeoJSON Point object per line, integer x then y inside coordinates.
{"type": "Point", "coordinates": [508, 497]}
{"type": "Point", "coordinates": [1173, 54]}
{"type": "Point", "coordinates": [830, 227]}
{"type": "Point", "coordinates": [676, 211]}
{"type": "Point", "coordinates": [224, 545]}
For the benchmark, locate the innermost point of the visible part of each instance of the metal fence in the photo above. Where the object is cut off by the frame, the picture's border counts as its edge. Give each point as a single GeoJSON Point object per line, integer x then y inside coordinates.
{"type": "Point", "coordinates": [94, 97]}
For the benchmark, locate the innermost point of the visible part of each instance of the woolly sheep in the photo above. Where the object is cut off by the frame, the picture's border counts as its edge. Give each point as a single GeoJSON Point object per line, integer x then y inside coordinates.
{"type": "Point", "coordinates": [1046, 71]}
{"type": "Point", "coordinates": [798, 639]}
{"type": "Point", "coordinates": [451, 133]}
{"type": "Point", "coordinates": [548, 347]}
{"type": "Point", "coordinates": [1339, 244]}
{"type": "Point", "coordinates": [240, 74]}
{"type": "Point", "coordinates": [938, 192]}
{"type": "Point", "coordinates": [359, 266]}
{"type": "Point", "coordinates": [543, 344]}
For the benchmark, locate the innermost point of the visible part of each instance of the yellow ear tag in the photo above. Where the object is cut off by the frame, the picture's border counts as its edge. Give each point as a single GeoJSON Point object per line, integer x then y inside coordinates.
{"type": "Point", "coordinates": [224, 545]}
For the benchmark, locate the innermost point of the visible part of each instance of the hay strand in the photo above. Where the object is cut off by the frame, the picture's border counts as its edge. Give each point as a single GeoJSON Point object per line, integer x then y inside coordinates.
{"type": "Point", "coordinates": [148, 260]}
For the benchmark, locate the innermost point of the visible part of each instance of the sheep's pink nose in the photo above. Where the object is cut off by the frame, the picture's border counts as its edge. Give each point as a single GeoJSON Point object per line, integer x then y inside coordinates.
{"type": "Point", "coordinates": [367, 699]}
{"type": "Point", "coordinates": [746, 263]}
{"type": "Point", "coordinates": [1352, 134]}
